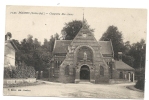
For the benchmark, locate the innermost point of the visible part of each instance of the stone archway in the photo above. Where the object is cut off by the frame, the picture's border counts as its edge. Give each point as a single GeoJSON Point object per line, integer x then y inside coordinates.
{"type": "Point", "coordinates": [84, 73]}
{"type": "Point", "coordinates": [81, 50]}
{"type": "Point", "coordinates": [83, 66]}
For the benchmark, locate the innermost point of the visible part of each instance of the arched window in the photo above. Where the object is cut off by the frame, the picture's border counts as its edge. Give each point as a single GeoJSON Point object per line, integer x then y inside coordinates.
{"type": "Point", "coordinates": [85, 53]}
{"type": "Point", "coordinates": [121, 75]}
{"type": "Point", "coordinates": [101, 71]}
{"type": "Point", "coordinates": [67, 70]}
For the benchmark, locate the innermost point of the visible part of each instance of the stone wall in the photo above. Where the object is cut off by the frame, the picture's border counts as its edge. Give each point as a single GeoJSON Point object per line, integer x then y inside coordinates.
{"type": "Point", "coordinates": [66, 78]}
{"type": "Point", "coordinates": [118, 81]}
{"type": "Point", "coordinates": [125, 76]}
{"type": "Point", "coordinates": [18, 81]}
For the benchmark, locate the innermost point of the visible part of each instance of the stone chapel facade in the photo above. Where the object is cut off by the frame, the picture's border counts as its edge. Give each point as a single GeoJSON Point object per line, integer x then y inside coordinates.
{"type": "Point", "coordinates": [86, 59]}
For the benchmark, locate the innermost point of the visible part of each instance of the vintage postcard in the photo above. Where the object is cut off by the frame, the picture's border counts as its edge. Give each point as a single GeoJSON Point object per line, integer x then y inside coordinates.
{"type": "Point", "coordinates": [75, 52]}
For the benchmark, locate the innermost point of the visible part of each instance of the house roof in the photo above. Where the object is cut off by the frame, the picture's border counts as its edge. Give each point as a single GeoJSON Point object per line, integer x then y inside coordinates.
{"type": "Point", "coordinates": [122, 66]}
{"type": "Point", "coordinates": [61, 46]}
{"type": "Point", "coordinates": [11, 44]}
{"type": "Point", "coordinates": [106, 47]}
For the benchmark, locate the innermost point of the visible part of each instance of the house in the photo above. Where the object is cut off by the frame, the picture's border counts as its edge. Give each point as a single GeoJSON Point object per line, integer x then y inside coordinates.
{"type": "Point", "coordinates": [9, 55]}
{"type": "Point", "coordinates": [86, 59]}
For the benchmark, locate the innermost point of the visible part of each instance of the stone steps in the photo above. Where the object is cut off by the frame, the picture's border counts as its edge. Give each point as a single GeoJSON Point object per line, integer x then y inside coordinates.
{"type": "Point", "coordinates": [85, 82]}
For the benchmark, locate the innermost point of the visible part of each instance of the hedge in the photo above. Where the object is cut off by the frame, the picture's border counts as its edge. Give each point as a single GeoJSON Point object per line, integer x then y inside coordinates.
{"type": "Point", "coordinates": [22, 71]}
{"type": "Point", "coordinates": [140, 84]}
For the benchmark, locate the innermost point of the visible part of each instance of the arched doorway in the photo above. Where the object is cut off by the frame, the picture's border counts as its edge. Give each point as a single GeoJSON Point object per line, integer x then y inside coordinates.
{"type": "Point", "coordinates": [84, 73]}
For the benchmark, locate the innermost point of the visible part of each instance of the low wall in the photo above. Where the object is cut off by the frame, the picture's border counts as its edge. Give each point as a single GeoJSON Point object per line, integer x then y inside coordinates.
{"type": "Point", "coordinates": [117, 81]}
{"type": "Point", "coordinates": [18, 81]}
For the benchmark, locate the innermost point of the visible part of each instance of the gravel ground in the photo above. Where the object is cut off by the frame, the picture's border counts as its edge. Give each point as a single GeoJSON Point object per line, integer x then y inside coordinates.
{"type": "Point", "coordinates": [77, 90]}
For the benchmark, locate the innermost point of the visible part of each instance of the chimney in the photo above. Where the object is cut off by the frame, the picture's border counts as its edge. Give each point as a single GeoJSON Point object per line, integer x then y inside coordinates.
{"type": "Point", "coordinates": [7, 37]}
{"type": "Point", "coordinates": [120, 56]}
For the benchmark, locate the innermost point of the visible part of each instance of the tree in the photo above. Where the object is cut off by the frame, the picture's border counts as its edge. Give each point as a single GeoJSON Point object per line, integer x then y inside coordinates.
{"type": "Point", "coordinates": [56, 36]}
{"type": "Point", "coordinates": [36, 44]}
{"type": "Point", "coordinates": [115, 36]}
{"type": "Point", "coordinates": [127, 46]}
{"type": "Point", "coordinates": [27, 48]}
{"type": "Point", "coordinates": [8, 35]}
{"type": "Point", "coordinates": [138, 51]}
{"type": "Point", "coordinates": [52, 41]}
{"type": "Point", "coordinates": [71, 29]}
{"type": "Point", "coordinates": [128, 60]}
{"type": "Point", "coordinates": [45, 44]}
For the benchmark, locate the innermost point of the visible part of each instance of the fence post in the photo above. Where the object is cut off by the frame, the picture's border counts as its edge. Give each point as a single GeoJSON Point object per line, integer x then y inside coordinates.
{"type": "Point", "coordinates": [41, 74]}
{"type": "Point", "coordinates": [36, 74]}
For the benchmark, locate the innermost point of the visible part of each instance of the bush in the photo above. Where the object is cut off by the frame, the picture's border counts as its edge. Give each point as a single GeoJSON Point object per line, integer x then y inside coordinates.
{"type": "Point", "coordinates": [45, 74]}
{"type": "Point", "coordinates": [21, 71]}
{"type": "Point", "coordinates": [140, 84]}
{"type": "Point", "coordinates": [7, 73]}
{"type": "Point", "coordinates": [24, 72]}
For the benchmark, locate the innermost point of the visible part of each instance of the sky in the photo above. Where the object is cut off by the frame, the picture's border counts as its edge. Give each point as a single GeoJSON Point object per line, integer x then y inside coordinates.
{"type": "Point", "coordinates": [44, 21]}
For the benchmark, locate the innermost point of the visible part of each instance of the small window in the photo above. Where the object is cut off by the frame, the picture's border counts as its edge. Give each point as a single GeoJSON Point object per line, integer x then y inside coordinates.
{"type": "Point", "coordinates": [67, 70]}
{"type": "Point", "coordinates": [107, 63]}
{"type": "Point", "coordinates": [84, 34]}
{"type": "Point", "coordinates": [101, 71]}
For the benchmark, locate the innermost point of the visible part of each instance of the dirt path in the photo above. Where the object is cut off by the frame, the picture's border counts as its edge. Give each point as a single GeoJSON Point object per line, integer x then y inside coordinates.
{"type": "Point", "coordinates": [77, 90]}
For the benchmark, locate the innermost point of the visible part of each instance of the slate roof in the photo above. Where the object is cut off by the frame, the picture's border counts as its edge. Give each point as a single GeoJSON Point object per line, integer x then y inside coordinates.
{"type": "Point", "coordinates": [106, 47]}
{"type": "Point", "coordinates": [61, 46]}
{"type": "Point", "coordinates": [11, 44]}
{"type": "Point", "coordinates": [122, 66]}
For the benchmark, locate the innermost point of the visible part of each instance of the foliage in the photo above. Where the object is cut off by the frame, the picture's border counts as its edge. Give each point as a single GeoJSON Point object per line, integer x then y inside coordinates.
{"type": "Point", "coordinates": [128, 59]}
{"type": "Point", "coordinates": [140, 84]}
{"type": "Point", "coordinates": [7, 73]}
{"type": "Point", "coordinates": [21, 71]}
{"type": "Point", "coordinates": [24, 71]}
{"type": "Point", "coordinates": [115, 36]}
{"type": "Point", "coordinates": [45, 73]}
{"type": "Point", "coordinates": [71, 29]}
{"type": "Point", "coordinates": [8, 35]}
{"type": "Point", "coordinates": [133, 54]}
{"type": "Point", "coordinates": [32, 53]}
{"type": "Point", "coordinates": [138, 52]}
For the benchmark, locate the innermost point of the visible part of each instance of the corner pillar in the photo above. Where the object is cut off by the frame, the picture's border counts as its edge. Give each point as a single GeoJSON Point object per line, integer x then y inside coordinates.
{"type": "Point", "coordinates": [133, 77]}
{"type": "Point", "coordinates": [92, 75]}
{"type": "Point", "coordinates": [77, 77]}
{"type": "Point", "coordinates": [129, 77]}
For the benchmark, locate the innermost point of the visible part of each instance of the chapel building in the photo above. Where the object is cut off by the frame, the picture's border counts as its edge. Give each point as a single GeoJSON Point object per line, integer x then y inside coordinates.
{"type": "Point", "coordinates": [86, 59]}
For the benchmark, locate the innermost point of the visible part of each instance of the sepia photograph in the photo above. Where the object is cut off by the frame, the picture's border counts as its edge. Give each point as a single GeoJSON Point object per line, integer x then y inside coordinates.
{"type": "Point", "coordinates": [75, 52]}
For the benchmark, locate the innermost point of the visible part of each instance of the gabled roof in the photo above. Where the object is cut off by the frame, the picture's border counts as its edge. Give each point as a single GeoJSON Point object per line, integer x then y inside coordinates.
{"type": "Point", "coordinates": [11, 44]}
{"type": "Point", "coordinates": [122, 66]}
{"type": "Point", "coordinates": [106, 47]}
{"type": "Point", "coordinates": [61, 46]}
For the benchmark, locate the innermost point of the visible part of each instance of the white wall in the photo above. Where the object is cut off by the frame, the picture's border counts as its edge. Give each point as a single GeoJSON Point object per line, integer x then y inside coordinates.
{"type": "Point", "coordinates": [9, 57]}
